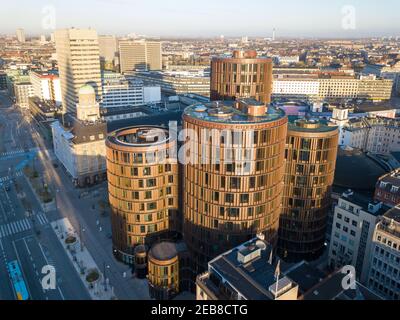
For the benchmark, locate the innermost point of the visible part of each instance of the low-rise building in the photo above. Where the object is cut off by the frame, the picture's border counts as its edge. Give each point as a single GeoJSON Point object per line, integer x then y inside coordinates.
{"type": "Point", "coordinates": [120, 91]}
{"type": "Point", "coordinates": [23, 91]}
{"type": "Point", "coordinates": [388, 189]}
{"type": "Point", "coordinates": [79, 141]}
{"type": "Point", "coordinates": [370, 133]}
{"type": "Point", "coordinates": [123, 113]}
{"type": "Point", "coordinates": [247, 272]}
{"type": "Point", "coordinates": [43, 110]}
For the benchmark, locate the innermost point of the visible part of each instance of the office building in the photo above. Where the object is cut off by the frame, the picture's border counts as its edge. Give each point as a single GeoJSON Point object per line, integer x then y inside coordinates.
{"type": "Point", "coordinates": [143, 188]}
{"type": "Point", "coordinates": [79, 141]}
{"type": "Point", "coordinates": [320, 86]}
{"type": "Point", "coordinates": [388, 189]}
{"type": "Point", "coordinates": [78, 63]}
{"type": "Point", "coordinates": [177, 83]}
{"type": "Point", "coordinates": [233, 178]}
{"type": "Point", "coordinates": [119, 92]}
{"type": "Point", "coordinates": [384, 275]}
{"type": "Point", "coordinates": [21, 35]}
{"type": "Point", "coordinates": [244, 75]}
{"type": "Point", "coordinates": [47, 86]}
{"type": "Point", "coordinates": [311, 150]}
{"type": "Point", "coordinates": [108, 49]}
{"type": "Point", "coordinates": [354, 221]}
{"type": "Point", "coordinates": [140, 55]}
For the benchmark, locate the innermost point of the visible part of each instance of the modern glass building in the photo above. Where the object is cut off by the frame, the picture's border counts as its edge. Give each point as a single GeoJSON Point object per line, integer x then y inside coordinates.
{"type": "Point", "coordinates": [233, 176]}
{"type": "Point", "coordinates": [244, 75]}
{"type": "Point", "coordinates": [143, 188]}
{"type": "Point", "coordinates": [311, 151]}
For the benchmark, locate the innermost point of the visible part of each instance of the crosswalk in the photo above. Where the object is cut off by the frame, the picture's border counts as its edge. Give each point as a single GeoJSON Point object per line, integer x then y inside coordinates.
{"type": "Point", "coordinates": [8, 178]}
{"type": "Point", "coordinates": [18, 152]}
{"type": "Point", "coordinates": [12, 153]}
{"type": "Point", "coordinates": [20, 226]}
{"type": "Point", "coordinates": [42, 219]}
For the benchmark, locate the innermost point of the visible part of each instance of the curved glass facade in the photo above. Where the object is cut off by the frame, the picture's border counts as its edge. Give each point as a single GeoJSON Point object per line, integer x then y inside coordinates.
{"type": "Point", "coordinates": [142, 186]}
{"type": "Point", "coordinates": [311, 152]}
{"type": "Point", "coordinates": [228, 201]}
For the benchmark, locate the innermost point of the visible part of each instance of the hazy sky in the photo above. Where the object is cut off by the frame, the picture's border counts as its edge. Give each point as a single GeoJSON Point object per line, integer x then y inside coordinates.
{"type": "Point", "coordinates": [183, 18]}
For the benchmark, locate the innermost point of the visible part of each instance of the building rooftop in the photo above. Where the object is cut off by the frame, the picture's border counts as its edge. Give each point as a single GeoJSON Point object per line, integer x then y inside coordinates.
{"type": "Point", "coordinates": [164, 251]}
{"type": "Point", "coordinates": [301, 124]}
{"type": "Point", "coordinates": [366, 203]}
{"type": "Point", "coordinates": [393, 214]}
{"type": "Point", "coordinates": [230, 112]}
{"type": "Point", "coordinates": [247, 269]}
{"type": "Point", "coordinates": [390, 182]}
{"type": "Point", "coordinates": [305, 276]}
{"type": "Point", "coordinates": [84, 131]}
{"type": "Point", "coordinates": [356, 171]}
{"type": "Point", "coordinates": [140, 136]}
{"type": "Point", "coordinates": [331, 289]}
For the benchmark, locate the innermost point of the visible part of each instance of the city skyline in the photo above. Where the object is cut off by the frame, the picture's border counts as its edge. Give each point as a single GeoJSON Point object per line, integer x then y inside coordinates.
{"type": "Point", "coordinates": [181, 19]}
{"type": "Point", "coordinates": [199, 151]}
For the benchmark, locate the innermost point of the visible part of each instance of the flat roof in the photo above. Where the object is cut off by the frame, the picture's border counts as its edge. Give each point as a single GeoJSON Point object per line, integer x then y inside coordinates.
{"type": "Point", "coordinates": [393, 214]}
{"type": "Point", "coordinates": [331, 289]}
{"type": "Point", "coordinates": [302, 124]}
{"type": "Point", "coordinates": [164, 251]}
{"type": "Point", "coordinates": [225, 112]}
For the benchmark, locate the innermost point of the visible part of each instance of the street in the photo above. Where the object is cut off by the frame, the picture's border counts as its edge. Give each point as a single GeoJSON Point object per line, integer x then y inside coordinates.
{"type": "Point", "coordinates": [25, 233]}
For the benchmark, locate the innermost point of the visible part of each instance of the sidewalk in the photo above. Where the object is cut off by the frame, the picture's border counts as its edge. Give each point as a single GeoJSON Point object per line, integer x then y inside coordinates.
{"type": "Point", "coordinates": [83, 262]}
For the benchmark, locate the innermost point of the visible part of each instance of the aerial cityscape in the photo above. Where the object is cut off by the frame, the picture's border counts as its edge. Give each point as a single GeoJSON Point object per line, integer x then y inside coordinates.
{"type": "Point", "coordinates": [239, 158]}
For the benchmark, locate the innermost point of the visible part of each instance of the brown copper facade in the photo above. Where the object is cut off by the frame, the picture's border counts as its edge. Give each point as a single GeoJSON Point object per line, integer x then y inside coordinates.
{"type": "Point", "coordinates": [223, 205]}
{"type": "Point", "coordinates": [142, 186]}
{"type": "Point", "coordinates": [311, 153]}
{"type": "Point", "coordinates": [163, 267]}
{"type": "Point", "coordinates": [241, 76]}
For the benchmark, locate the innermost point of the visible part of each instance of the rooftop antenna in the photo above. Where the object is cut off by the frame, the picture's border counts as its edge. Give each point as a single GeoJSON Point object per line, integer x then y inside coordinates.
{"type": "Point", "coordinates": [271, 257]}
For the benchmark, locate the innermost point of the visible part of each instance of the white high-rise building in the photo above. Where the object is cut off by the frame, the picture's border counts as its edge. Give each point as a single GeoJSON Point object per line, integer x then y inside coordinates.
{"type": "Point", "coordinates": [21, 35]}
{"type": "Point", "coordinates": [79, 64]}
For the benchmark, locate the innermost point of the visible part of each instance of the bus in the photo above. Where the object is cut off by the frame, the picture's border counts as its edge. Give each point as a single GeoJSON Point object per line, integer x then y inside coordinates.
{"type": "Point", "coordinates": [17, 280]}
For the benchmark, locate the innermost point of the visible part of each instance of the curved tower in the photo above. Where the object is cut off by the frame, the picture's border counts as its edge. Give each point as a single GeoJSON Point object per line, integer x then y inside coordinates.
{"type": "Point", "coordinates": [244, 75]}
{"type": "Point", "coordinates": [311, 153]}
{"type": "Point", "coordinates": [143, 187]}
{"type": "Point", "coordinates": [233, 176]}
